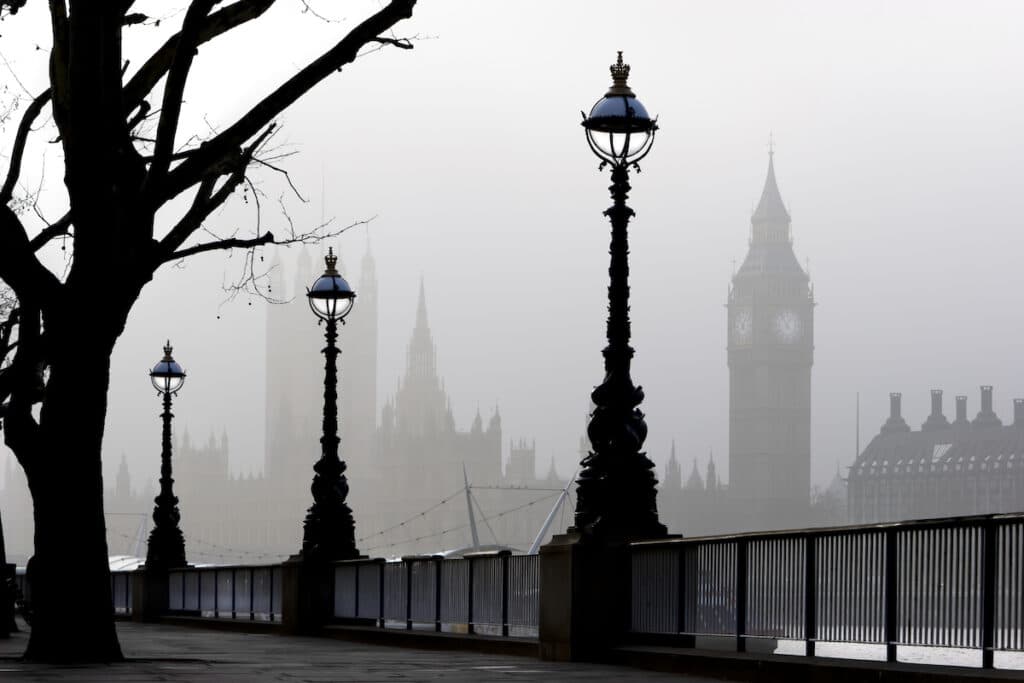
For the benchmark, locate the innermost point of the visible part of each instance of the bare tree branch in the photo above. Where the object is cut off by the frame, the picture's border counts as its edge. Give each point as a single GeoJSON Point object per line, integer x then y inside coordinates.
{"type": "Point", "coordinates": [158, 64]}
{"type": "Point", "coordinates": [174, 90]}
{"type": "Point", "coordinates": [31, 281]}
{"type": "Point", "coordinates": [207, 201]}
{"type": "Point", "coordinates": [22, 430]}
{"type": "Point", "coordinates": [20, 139]}
{"type": "Point", "coordinates": [403, 43]}
{"type": "Point", "coordinates": [229, 243]}
{"type": "Point", "coordinates": [214, 151]}
{"type": "Point", "coordinates": [61, 227]}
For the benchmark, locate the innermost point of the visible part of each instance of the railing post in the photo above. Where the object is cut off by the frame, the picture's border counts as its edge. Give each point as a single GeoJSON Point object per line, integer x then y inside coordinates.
{"type": "Point", "coordinates": [380, 592]}
{"type": "Point", "coordinates": [408, 594]}
{"type": "Point", "coordinates": [504, 555]}
{"type": "Point", "coordinates": [355, 600]}
{"type": "Point", "coordinates": [891, 596]}
{"type": "Point", "coordinates": [741, 595]}
{"type": "Point", "coordinates": [216, 594]}
{"type": "Point", "coordinates": [252, 593]}
{"type": "Point", "coordinates": [686, 640]}
{"type": "Point", "coordinates": [234, 592]}
{"type": "Point", "coordinates": [810, 593]}
{"type": "Point", "coordinates": [469, 600]}
{"type": "Point", "coordinates": [989, 540]}
{"type": "Point", "coordinates": [270, 607]}
{"type": "Point", "coordinates": [438, 563]}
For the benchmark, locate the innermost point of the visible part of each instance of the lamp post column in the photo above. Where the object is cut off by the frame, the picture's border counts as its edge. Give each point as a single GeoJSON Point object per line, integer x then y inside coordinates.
{"type": "Point", "coordinates": [166, 542]}
{"type": "Point", "coordinates": [329, 528]}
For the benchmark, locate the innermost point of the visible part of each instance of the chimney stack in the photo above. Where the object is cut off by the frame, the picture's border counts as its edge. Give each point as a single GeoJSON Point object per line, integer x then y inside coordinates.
{"type": "Point", "coordinates": [895, 424]}
{"type": "Point", "coordinates": [961, 410]}
{"type": "Point", "coordinates": [936, 420]}
{"type": "Point", "coordinates": [1018, 412]}
{"type": "Point", "coordinates": [987, 418]}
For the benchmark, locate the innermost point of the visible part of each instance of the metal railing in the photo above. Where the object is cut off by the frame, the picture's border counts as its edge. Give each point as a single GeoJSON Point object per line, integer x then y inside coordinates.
{"type": "Point", "coordinates": [487, 593]}
{"type": "Point", "coordinates": [244, 592]}
{"type": "Point", "coordinates": [953, 583]}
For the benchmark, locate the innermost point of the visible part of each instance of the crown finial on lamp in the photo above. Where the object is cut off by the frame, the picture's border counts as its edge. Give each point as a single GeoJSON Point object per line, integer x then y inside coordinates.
{"type": "Point", "coordinates": [167, 351]}
{"type": "Point", "coordinates": [620, 74]}
{"type": "Point", "coordinates": [331, 260]}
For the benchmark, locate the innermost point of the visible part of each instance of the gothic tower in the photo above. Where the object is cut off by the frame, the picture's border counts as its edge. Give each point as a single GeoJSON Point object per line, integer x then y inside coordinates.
{"type": "Point", "coordinates": [770, 353]}
{"type": "Point", "coordinates": [358, 367]}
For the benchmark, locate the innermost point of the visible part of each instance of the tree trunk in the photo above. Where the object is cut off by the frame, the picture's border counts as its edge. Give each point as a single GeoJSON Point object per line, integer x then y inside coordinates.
{"type": "Point", "coordinates": [73, 618]}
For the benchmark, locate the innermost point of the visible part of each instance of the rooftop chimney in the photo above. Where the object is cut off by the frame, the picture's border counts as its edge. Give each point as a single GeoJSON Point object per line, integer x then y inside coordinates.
{"type": "Point", "coordinates": [986, 417]}
{"type": "Point", "coordinates": [1018, 412]}
{"type": "Point", "coordinates": [895, 424]}
{"type": "Point", "coordinates": [961, 411]}
{"type": "Point", "coordinates": [936, 420]}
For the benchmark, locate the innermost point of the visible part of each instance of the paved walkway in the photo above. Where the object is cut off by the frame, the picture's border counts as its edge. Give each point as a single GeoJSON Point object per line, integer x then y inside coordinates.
{"type": "Point", "coordinates": [159, 652]}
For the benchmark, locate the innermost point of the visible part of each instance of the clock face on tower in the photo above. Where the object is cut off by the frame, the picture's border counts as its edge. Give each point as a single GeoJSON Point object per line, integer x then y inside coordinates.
{"type": "Point", "coordinates": [787, 326]}
{"type": "Point", "coordinates": [743, 326]}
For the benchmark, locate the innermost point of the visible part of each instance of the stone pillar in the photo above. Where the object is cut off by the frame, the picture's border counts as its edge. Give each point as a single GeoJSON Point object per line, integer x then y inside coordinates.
{"type": "Point", "coordinates": [584, 597]}
{"type": "Point", "coordinates": [307, 595]}
{"type": "Point", "coordinates": [150, 594]}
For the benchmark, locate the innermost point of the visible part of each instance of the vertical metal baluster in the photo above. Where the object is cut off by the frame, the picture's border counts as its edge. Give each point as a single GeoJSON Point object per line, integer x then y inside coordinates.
{"type": "Point", "coordinates": [988, 593]}
{"type": "Point", "coordinates": [810, 594]}
{"type": "Point", "coordinates": [380, 592]}
{"type": "Point", "coordinates": [408, 594]}
{"type": "Point", "coordinates": [469, 627]}
{"type": "Point", "coordinates": [270, 607]}
{"type": "Point", "coordinates": [681, 598]}
{"type": "Point", "coordinates": [1013, 627]}
{"type": "Point", "coordinates": [438, 564]}
{"type": "Point", "coordinates": [504, 592]}
{"type": "Point", "coordinates": [949, 547]}
{"type": "Point", "coordinates": [741, 595]}
{"type": "Point", "coordinates": [252, 594]}
{"type": "Point", "coordinates": [891, 595]}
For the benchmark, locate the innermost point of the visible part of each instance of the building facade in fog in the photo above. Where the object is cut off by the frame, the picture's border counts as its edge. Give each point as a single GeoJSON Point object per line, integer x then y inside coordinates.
{"type": "Point", "coordinates": [963, 467]}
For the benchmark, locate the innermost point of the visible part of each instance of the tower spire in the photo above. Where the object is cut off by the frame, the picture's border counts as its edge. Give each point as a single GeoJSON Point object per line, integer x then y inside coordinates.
{"type": "Point", "coordinates": [770, 210]}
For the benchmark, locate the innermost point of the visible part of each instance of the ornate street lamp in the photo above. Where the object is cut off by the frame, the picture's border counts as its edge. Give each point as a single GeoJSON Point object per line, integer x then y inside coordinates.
{"type": "Point", "coordinates": [166, 543]}
{"type": "Point", "coordinates": [328, 531]}
{"type": "Point", "coordinates": [616, 495]}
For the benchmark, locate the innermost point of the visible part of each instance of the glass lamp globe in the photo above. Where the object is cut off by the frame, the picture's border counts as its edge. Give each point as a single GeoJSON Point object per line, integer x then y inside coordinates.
{"type": "Point", "coordinates": [619, 129]}
{"type": "Point", "coordinates": [167, 376]}
{"type": "Point", "coordinates": [331, 297]}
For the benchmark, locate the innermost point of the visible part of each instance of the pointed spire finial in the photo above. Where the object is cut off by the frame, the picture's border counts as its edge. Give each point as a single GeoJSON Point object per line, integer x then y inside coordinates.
{"type": "Point", "coordinates": [770, 208]}
{"type": "Point", "coordinates": [771, 144]}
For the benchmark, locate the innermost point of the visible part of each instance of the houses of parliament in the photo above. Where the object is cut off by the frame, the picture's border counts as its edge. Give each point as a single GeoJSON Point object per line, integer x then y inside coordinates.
{"type": "Point", "coordinates": [411, 445]}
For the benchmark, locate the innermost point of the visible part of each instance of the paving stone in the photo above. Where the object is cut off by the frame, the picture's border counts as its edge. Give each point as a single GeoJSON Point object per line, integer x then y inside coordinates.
{"type": "Point", "coordinates": [159, 652]}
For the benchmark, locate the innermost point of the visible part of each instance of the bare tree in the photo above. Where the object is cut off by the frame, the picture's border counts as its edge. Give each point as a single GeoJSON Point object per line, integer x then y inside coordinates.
{"type": "Point", "coordinates": [116, 184]}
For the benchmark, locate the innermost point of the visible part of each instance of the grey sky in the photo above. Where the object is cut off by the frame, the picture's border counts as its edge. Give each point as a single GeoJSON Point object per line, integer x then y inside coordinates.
{"type": "Point", "coordinates": [899, 153]}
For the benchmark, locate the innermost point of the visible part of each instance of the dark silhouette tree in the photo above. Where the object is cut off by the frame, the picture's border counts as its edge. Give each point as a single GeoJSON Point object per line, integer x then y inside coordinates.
{"type": "Point", "coordinates": [55, 388]}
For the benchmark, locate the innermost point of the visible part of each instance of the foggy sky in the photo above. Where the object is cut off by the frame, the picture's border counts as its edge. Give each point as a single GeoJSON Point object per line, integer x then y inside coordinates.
{"type": "Point", "coordinates": [899, 154]}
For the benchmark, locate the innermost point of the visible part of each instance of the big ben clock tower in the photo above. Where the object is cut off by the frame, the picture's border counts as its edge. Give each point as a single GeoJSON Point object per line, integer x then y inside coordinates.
{"type": "Point", "coordinates": [770, 349]}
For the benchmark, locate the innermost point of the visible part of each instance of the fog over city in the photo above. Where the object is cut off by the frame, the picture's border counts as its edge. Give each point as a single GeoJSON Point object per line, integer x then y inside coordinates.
{"type": "Point", "coordinates": [897, 149]}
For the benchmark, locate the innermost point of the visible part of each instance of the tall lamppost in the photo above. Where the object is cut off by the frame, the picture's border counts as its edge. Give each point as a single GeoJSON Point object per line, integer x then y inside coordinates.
{"type": "Point", "coordinates": [616, 495]}
{"type": "Point", "coordinates": [166, 543]}
{"type": "Point", "coordinates": [328, 532]}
